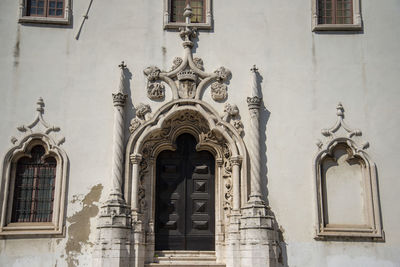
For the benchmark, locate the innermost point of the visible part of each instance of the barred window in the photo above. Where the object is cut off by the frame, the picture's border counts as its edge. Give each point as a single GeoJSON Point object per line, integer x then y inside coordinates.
{"type": "Point", "coordinates": [34, 187]}
{"type": "Point", "coordinates": [335, 11]}
{"type": "Point", "coordinates": [178, 7]}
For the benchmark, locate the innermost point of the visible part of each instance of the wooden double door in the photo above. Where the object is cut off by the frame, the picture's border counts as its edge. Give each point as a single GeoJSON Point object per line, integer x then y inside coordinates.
{"type": "Point", "coordinates": [185, 198]}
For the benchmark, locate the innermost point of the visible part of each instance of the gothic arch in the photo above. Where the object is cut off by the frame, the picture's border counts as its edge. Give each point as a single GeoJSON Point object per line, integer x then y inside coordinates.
{"type": "Point", "coordinates": [212, 133]}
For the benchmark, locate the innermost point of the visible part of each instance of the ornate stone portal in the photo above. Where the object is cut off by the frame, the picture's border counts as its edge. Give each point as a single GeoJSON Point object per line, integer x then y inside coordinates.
{"type": "Point", "coordinates": [243, 227]}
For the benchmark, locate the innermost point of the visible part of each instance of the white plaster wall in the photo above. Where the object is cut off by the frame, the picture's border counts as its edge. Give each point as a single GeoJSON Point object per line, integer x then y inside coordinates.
{"type": "Point", "coordinates": [304, 74]}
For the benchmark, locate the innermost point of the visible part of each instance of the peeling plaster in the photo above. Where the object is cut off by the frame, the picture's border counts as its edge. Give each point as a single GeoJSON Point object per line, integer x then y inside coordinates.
{"type": "Point", "coordinates": [79, 228]}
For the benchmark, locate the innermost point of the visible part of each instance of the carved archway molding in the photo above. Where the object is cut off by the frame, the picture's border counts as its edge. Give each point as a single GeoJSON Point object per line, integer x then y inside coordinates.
{"type": "Point", "coordinates": [213, 132]}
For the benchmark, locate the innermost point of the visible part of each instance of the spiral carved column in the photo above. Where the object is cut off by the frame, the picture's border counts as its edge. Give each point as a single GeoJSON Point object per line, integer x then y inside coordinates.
{"type": "Point", "coordinates": [254, 104]}
{"type": "Point", "coordinates": [119, 100]}
{"type": "Point", "coordinates": [113, 244]}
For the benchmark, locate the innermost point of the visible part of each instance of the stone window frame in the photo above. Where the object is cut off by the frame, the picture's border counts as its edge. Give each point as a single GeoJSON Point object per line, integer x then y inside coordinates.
{"type": "Point", "coordinates": [36, 133]}
{"type": "Point", "coordinates": [168, 24]}
{"type": "Point", "coordinates": [357, 24]}
{"type": "Point", "coordinates": [23, 18]}
{"type": "Point", "coordinates": [341, 134]}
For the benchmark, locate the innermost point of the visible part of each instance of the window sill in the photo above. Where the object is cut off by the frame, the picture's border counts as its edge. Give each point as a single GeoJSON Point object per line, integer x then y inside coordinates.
{"type": "Point", "coordinates": [177, 25]}
{"type": "Point", "coordinates": [44, 20]}
{"type": "Point", "coordinates": [337, 27]}
{"type": "Point", "coordinates": [30, 229]}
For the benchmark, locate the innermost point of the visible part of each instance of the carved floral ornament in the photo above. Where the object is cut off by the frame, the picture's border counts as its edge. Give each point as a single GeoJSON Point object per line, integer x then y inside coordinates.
{"type": "Point", "coordinates": [340, 137]}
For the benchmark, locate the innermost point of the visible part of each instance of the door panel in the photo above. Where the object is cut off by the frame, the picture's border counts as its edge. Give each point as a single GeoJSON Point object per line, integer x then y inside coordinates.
{"type": "Point", "coordinates": [185, 198]}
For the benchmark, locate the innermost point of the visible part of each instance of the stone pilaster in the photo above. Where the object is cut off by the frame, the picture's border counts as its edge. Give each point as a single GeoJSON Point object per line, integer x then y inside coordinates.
{"type": "Point", "coordinates": [258, 236]}
{"type": "Point", "coordinates": [113, 246]}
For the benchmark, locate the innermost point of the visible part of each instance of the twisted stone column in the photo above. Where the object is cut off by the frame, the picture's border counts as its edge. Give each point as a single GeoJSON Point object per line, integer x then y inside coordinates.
{"type": "Point", "coordinates": [119, 100]}
{"type": "Point", "coordinates": [254, 104]}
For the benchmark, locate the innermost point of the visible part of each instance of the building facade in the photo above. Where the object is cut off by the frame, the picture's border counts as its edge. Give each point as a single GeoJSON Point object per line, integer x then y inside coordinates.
{"type": "Point", "coordinates": [199, 133]}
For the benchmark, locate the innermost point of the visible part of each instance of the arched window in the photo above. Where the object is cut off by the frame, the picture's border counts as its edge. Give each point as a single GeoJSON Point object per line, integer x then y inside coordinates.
{"type": "Point", "coordinates": [34, 181]}
{"type": "Point", "coordinates": [33, 187]}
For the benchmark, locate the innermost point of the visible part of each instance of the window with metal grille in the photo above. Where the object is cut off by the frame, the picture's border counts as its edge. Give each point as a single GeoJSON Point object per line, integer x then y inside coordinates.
{"type": "Point", "coordinates": [178, 7]}
{"type": "Point", "coordinates": [335, 11]}
{"type": "Point", "coordinates": [45, 8]}
{"type": "Point", "coordinates": [34, 187]}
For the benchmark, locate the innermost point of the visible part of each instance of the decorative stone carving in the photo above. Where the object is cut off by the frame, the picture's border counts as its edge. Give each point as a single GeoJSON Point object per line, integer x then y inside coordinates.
{"type": "Point", "coordinates": [198, 62]}
{"type": "Point", "coordinates": [219, 91]}
{"type": "Point", "coordinates": [222, 74]}
{"type": "Point", "coordinates": [231, 114]}
{"type": "Point", "coordinates": [187, 78]}
{"type": "Point", "coordinates": [176, 63]}
{"type": "Point", "coordinates": [155, 91]}
{"type": "Point", "coordinates": [143, 111]}
{"type": "Point", "coordinates": [135, 123]}
{"type": "Point", "coordinates": [152, 73]}
{"type": "Point", "coordinates": [39, 124]}
{"type": "Point", "coordinates": [345, 147]}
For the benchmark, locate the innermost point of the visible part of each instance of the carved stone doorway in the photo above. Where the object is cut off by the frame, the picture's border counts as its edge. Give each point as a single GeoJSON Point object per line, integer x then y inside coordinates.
{"type": "Point", "coordinates": [185, 201]}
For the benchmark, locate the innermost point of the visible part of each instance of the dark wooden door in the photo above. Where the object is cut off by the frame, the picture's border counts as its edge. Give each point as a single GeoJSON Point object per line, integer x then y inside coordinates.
{"type": "Point", "coordinates": [185, 198]}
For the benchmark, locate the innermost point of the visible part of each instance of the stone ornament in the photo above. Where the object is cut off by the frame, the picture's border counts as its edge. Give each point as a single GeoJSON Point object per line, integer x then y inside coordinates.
{"type": "Point", "coordinates": [340, 137]}
{"type": "Point", "coordinates": [143, 111]}
{"type": "Point", "coordinates": [39, 125]}
{"type": "Point", "coordinates": [187, 79]}
{"type": "Point", "coordinates": [231, 114]}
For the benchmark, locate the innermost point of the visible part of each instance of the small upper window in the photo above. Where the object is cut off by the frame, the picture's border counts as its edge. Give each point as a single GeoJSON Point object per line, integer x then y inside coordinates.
{"type": "Point", "coordinates": [45, 11]}
{"type": "Point", "coordinates": [173, 13]}
{"type": "Point", "coordinates": [336, 15]}
{"type": "Point", "coordinates": [178, 7]}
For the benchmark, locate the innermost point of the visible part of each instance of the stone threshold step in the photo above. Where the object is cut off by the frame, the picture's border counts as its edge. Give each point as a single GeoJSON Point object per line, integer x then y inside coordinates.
{"type": "Point", "coordinates": [183, 265]}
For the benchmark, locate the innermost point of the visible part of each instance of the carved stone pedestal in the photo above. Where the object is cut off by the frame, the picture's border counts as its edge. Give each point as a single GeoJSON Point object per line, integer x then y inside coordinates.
{"type": "Point", "coordinates": [259, 246]}
{"type": "Point", "coordinates": [113, 245]}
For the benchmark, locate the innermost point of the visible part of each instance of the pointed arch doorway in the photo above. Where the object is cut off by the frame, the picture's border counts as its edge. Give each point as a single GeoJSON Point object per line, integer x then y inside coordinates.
{"type": "Point", "coordinates": [185, 198]}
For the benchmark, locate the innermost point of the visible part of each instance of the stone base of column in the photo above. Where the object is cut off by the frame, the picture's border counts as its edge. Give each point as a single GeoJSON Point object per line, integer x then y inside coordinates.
{"type": "Point", "coordinates": [259, 238]}
{"type": "Point", "coordinates": [114, 242]}
{"type": "Point", "coordinates": [138, 240]}
{"type": "Point", "coordinates": [232, 253]}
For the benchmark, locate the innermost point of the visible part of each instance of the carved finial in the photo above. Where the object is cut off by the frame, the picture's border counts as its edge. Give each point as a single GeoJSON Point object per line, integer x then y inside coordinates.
{"type": "Point", "coordinates": [254, 85]}
{"type": "Point", "coordinates": [187, 14]}
{"type": "Point", "coordinates": [122, 66]}
{"type": "Point", "coordinates": [40, 106]}
{"type": "Point", "coordinates": [254, 69]}
{"type": "Point", "coordinates": [340, 110]}
{"type": "Point", "coordinates": [120, 98]}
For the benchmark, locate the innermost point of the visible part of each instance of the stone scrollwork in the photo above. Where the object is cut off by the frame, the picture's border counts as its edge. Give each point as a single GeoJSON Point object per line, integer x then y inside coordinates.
{"type": "Point", "coordinates": [186, 78]}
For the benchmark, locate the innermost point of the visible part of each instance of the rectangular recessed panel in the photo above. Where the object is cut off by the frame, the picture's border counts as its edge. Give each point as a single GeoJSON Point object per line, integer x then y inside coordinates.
{"type": "Point", "coordinates": [200, 225]}
{"type": "Point", "coordinates": [202, 169]}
